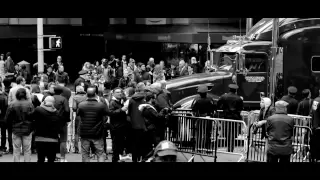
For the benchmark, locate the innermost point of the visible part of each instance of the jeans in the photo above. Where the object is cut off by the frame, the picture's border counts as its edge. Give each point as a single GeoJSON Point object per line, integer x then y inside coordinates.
{"type": "Point", "coordinates": [63, 140]}
{"type": "Point", "coordinates": [46, 150]}
{"type": "Point", "coordinates": [278, 158]}
{"type": "Point", "coordinates": [4, 129]}
{"type": "Point", "coordinates": [98, 149]}
{"type": "Point", "coordinates": [25, 142]}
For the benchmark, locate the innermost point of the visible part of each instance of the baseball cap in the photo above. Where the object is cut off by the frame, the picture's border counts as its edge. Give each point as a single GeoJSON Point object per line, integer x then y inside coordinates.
{"type": "Point", "coordinates": [233, 86]}
{"type": "Point", "coordinates": [281, 104]}
{"type": "Point", "coordinates": [165, 148]}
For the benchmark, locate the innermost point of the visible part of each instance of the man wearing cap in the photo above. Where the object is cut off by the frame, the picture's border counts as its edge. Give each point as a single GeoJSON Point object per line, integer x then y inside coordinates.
{"type": "Point", "coordinates": [83, 78]}
{"type": "Point", "coordinates": [232, 105]}
{"type": "Point", "coordinates": [290, 99]}
{"type": "Point", "coordinates": [280, 128]}
{"type": "Point", "coordinates": [203, 106]}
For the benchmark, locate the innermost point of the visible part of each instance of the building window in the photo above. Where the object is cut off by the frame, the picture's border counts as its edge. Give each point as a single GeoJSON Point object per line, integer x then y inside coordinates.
{"type": "Point", "coordinates": [315, 64]}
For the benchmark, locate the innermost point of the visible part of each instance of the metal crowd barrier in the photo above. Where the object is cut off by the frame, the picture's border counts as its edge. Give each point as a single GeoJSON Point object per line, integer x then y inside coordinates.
{"type": "Point", "coordinates": [207, 136]}
{"type": "Point", "coordinates": [257, 145]}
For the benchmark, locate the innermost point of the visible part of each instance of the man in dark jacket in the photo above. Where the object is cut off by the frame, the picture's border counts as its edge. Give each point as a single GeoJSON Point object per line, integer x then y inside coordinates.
{"type": "Point", "coordinates": [3, 125]}
{"type": "Point", "coordinates": [47, 127]}
{"type": "Point", "coordinates": [144, 73]}
{"type": "Point", "coordinates": [51, 75]}
{"type": "Point", "coordinates": [119, 123]}
{"type": "Point", "coordinates": [137, 123]}
{"type": "Point", "coordinates": [137, 74]}
{"type": "Point", "coordinates": [304, 107]}
{"type": "Point", "coordinates": [18, 116]}
{"type": "Point", "coordinates": [195, 65]}
{"type": "Point", "coordinates": [315, 138]}
{"type": "Point", "coordinates": [293, 103]}
{"type": "Point", "coordinates": [62, 106]}
{"type": "Point", "coordinates": [57, 64]}
{"type": "Point", "coordinates": [232, 105]}
{"type": "Point", "coordinates": [280, 128]}
{"type": "Point", "coordinates": [92, 114]}
{"type": "Point", "coordinates": [62, 76]}
{"type": "Point", "coordinates": [155, 122]}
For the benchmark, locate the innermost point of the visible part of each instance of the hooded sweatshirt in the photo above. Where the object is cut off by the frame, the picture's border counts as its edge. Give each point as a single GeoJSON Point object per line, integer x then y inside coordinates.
{"type": "Point", "coordinates": [137, 121]}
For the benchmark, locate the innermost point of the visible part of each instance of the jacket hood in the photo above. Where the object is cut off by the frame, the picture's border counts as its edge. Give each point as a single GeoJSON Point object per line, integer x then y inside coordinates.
{"type": "Point", "coordinates": [48, 108]}
{"type": "Point", "coordinates": [138, 96]}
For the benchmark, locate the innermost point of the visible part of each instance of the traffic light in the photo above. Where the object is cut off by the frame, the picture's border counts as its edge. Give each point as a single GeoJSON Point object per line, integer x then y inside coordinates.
{"type": "Point", "coordinates": [55, 43]}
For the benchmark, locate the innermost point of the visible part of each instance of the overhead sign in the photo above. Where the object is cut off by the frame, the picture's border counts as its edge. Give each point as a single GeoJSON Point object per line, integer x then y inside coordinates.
{"type": "Point", "coordinates": [55, 43]}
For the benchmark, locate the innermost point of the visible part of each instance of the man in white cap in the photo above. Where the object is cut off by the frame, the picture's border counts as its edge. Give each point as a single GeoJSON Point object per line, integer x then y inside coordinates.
{"type": "Point", "coordinates": [279, 129]}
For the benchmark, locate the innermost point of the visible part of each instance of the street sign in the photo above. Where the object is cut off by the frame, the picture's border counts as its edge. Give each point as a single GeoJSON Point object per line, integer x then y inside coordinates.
{"type": "Point", "coordinates": [55, 43]}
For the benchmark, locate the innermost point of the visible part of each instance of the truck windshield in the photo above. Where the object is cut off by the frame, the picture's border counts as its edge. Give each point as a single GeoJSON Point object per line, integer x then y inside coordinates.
{"type": "Point", "coordinates": [256, 62]}
{"type": "Point", "coordinates": [224, 61]}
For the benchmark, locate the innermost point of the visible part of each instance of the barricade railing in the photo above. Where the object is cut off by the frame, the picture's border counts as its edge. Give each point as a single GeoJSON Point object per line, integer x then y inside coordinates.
{"type": "Point", "coordinates": [257, 145]}
{"type": "Point", "coordinates": [231, 137]}
{"type": "Point", "coordinates": [207, 136]}
{"type": "Point", "coordinates": [301, 120]}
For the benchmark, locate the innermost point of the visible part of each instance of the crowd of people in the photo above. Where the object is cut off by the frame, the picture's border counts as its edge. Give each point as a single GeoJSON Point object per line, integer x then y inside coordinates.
{"type": "Point", "coordinates": [129, 101]}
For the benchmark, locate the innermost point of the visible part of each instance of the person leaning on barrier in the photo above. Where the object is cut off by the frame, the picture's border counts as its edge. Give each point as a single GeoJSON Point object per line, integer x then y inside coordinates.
{"type": "Point", "coordinates": [290, 99]}
{"type": "Point", "coordinates": [232, 105]}
{"type": "Point", "coordinates": [315, 138]}
{"type": "Point", "coordinates": [266, 111]}
{"type": "Point", "coordinates": [280, 132]}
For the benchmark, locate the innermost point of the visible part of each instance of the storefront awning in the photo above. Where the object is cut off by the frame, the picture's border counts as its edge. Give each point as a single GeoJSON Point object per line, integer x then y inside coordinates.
{"type": "Point", "coordinates": [171, 37]}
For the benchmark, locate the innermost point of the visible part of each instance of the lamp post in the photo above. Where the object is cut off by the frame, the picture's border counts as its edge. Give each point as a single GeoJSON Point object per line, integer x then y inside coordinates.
{"type": "Point", "coordinates": [40, 45]}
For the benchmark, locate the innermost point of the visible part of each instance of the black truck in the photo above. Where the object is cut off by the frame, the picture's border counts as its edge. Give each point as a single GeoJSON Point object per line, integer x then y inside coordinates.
{"type": "Point", "coordinates": [247, 63]}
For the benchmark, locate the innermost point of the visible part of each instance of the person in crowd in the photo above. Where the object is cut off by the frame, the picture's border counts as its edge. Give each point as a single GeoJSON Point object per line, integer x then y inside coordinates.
{"type": "Point", "coordinates": [24, 73]}
{"type": "Point", "coordinates": [266, 111]}
{"type": "Point", "coordinates": [163, 97]}
{"type": "Point", "coordinates": [207, 67]}
{"type": "Point", "coordinates": [62, 76]}
{"type": "Point", "coordinates": [2, 86]}
{"type": "Point", "coordinates": [290, 98]}
{"type": "Point", "coordinates": [9, 64]}
{"type": "Point", "coordinates": [7, 84]}
{"type": "Point", "coordinates": [154, 120]}
{"type": "Point", "coordinates": [2, 64]}
{"type": "Point", "coordinates": [98, 67]}
{"type": "Point", "coordinates": [62, 106]}
{"type": "Point", "coordinates": [158, 74]}
{"type": "Point", "coordinates": [131, 68]}
{"type": "Point", "coordinates": [145, 75]}
{"type": "Point", "coordinates": [279, 130]}
{"type": "Point", "coordinates": [3, 125]}
{"type": "Point", "coordinates": [47, 124]}
{"type": "Point", "coordinates": [19, 116]}
{"type": "Point", "coordinates": [51, 75]}
{"type": "Point", "coordinates": [232, 105]}
{"type": "Point", "coordinates": [315, 124]}
{"type": "Point", "coordinates": [151, 62]}
{"type": "Point", "coordinates": [86, 67]}
{"type": "Point", "coordinates": [92, 113]}
{"type": "Point", "coordinates": [56, 65]}
{"type": "Point", "coordinates": [190, 70]}
{"type": "Point", "coordinates": [36, 98]}
{"type": "Point", "coordinates": [79, 97]}
{"type": "Point", "coordinates": [119, 70]}
{"type": "Point", "coordinates": [43, 82]}
{"type": "Point", "coordinates": [112, 62]}
{"type": "Point", "coordinates": [195, 65]}
{"type": "Point", "coordinates": [137, 123]}
{"type": "Point", "coordinates": [304, 107]}
{"type": "Point", "coordinates": [49, 91]}
{"type": "Point", "coordinates": [124, 81]}
{"type": "Point", "coordinates": [16, 72]}
{"type": "Point", "coordinates": [119, 124]}
{"type": "Point", "coordinates": [110, 77]}
{"type": "Point", "coordinates": [137, 73]}
{"type": "Point", "coordinates": [183, 69]}
{"type": "Point", "coordinates": [172, 72]}
{"type": "Point", "coordinates": [21, 82]}
{"type": "Point", "coordinates": [83, 78]}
